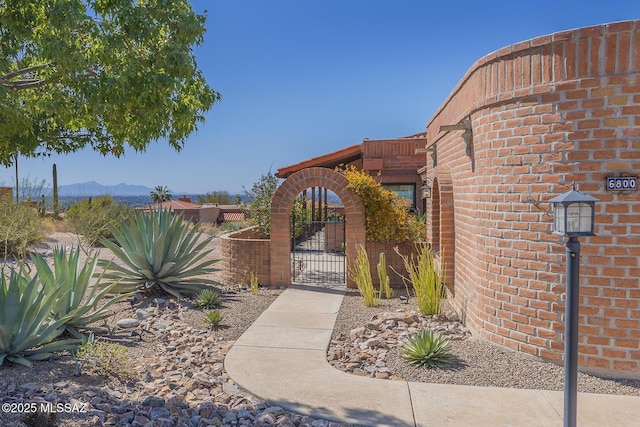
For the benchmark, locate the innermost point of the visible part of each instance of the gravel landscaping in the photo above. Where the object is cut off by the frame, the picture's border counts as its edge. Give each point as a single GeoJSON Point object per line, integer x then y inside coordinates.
{"type": "Point", "coordinates": [177, 377]}
{"type": "Point", "coordinates": [479, 362]}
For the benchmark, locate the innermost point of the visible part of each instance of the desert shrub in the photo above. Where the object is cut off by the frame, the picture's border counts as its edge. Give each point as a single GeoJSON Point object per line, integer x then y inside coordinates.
{"type": "Point", "coordinates": [387, 218]}
{"type": "Point", "coordinates": [429, 349]}
{"type": "Point", "coordinates": [20, 227]}
{"type": "Point", "coordinates": [300, 217]}
{"type": "Point", "coordinates": [104, 359]}
{"type": "Point", "coordinates": [360, 272]}
{"type": "Point", "coordinates": [426, 279]}
{"type": "Point", "coordinates": [158, 250]}
{"type": "Point", "coordinates": [94, 218]}
{"type": "Point", "coordinates": [259, 206]}
{"type": "Point", "coordinates": [216, 230]}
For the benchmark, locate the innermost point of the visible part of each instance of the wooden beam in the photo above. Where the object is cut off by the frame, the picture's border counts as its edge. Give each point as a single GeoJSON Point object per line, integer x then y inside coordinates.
{"type": "Point", "coordinates": [463, 125]}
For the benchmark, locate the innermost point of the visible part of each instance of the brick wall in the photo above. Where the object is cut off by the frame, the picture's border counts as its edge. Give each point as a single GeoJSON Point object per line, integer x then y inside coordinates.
{"type": "Point", "coordinates": [544, 113]}
{"type": "Point", "coordinates": [242, 254]}
{"type": "Point", "coordinates": [397, 156]}
{"type": "Point", "coordinates": [395, 264]}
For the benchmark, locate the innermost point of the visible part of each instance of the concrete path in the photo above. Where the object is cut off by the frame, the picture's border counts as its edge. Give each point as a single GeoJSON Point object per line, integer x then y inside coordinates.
{"type": "Point", "coordinates": [281, 358]}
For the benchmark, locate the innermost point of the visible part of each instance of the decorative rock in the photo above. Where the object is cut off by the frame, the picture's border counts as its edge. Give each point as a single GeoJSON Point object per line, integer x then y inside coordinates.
{"type": "Point", "coordinates": [374, 343]}
{"type": "Point", "coordinates": [154, 402]}
{"type": "Point", "coordinates": [127, 323]}
{"type": "Point", "coordinates": [159, 412]}
{"type": "Point", "coordinates": [265, 418]}
{"type": "Point", "coordinates": [275, 410]}
{"type": "Point", "coordinates": [142, 314]}
{"type": "Point", "coordinates": [230, 388]}
{"type": "Point", "coordinates": [28, 387]}
{"type": "Point", "coordinates": [364, 353]}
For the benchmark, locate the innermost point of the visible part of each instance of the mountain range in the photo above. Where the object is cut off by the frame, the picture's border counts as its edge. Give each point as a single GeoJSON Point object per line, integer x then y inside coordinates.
{"type": "Point", "coordinates": [93, 188]}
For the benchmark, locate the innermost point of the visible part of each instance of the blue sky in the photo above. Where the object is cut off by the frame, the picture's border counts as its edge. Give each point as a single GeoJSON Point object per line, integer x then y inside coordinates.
{"type": "Point", "coordinates": [301, 78]}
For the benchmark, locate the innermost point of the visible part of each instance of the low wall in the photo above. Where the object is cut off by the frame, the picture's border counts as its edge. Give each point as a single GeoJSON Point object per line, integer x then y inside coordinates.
{"type": "Point", "coordinates": [244, 253]}
{"type": "Point", "coordinates": [393, 260]}
{"type": "Point", "coordinates": [334, 236]}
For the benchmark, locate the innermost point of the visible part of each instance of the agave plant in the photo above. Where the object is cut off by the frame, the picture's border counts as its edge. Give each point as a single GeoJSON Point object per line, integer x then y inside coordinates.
{"type": "Point", "coordinates": [214, 318]}
{"type": "Point", "coordinates": [158, 250]}
{"type": "Point", "coordinates": [208, 298]}
{"type": "Point", "coordinates": [428, 348]}
{"type": "Point", "coordinates": [26, 326]}
{"type": "Point", "coordinates": [79, 300]}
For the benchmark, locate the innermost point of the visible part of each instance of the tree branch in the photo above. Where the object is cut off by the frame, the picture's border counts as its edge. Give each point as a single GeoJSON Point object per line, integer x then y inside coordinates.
{"type": "Point", "coordinates": [25, 83]}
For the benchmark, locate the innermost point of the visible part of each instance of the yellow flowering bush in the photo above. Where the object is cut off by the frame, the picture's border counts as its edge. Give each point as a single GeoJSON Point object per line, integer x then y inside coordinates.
{"type": "Point", "coordinates": [387, 218]}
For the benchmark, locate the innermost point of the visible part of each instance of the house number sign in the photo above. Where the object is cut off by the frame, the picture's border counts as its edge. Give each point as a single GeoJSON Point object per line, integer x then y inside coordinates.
{"type": "Point", "coordinates": [622, 183]}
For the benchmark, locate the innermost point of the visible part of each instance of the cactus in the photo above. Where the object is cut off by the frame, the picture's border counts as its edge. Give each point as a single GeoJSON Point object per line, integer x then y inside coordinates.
{"type": "Point", "coordinates": [56, 210]}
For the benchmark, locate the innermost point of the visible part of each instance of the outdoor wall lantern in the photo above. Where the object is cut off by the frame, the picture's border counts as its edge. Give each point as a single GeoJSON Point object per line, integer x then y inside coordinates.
{"type": "Point", "coordinates": [426, 189]}
{"type": "Point", "coordinates": [573, 216]}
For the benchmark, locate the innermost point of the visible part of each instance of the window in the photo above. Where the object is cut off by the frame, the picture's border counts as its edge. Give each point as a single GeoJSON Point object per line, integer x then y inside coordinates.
{"type": "Point", "coordinates": [404, 191]}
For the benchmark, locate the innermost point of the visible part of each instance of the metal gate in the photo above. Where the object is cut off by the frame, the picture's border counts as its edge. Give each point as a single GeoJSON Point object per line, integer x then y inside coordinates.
{"type": "Point", "coordinates": [318, 252]}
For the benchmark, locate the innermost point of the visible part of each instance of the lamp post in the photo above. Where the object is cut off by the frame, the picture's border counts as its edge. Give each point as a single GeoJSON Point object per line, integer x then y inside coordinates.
{"type": "Point", "coordinates": [573, 216]}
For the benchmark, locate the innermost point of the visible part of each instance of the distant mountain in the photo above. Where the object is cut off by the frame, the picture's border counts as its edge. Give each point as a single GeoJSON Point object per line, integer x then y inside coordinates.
{"type": "Point", "coordinates": [93, 188]}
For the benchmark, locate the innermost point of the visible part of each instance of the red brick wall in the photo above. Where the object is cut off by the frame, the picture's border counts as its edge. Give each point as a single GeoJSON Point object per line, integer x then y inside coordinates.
{"type": "Point", "coordinates": [395, 264]}
{"type": "Point", "coordinates": [544, 112]}
{"type": "Point", "coordinates": [394, 161]}
{"type": "Point", "coordinates": [243, 254]}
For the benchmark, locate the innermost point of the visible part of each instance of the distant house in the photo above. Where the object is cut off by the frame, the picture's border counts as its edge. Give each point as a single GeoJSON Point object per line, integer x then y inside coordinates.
{"type": "Point", "coordinates": [209, 212]}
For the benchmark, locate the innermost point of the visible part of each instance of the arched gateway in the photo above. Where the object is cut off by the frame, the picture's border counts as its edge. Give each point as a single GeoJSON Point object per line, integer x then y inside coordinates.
{"type": "Point", "coordinates": [281, 218]}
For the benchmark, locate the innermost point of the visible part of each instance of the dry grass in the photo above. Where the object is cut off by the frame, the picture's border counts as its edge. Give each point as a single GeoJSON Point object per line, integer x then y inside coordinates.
{"type": "Point", "coordinates": [50, 225]}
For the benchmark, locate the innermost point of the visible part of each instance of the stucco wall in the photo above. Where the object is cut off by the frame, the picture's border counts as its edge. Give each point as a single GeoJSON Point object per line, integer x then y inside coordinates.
{"type": "Point", "coordinates": [544, 113]}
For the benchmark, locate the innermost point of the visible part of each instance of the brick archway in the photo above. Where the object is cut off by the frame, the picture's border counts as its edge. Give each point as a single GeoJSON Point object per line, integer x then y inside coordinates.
{"type": "Point", "coordinates": [443, 229]}
{"type": "Point", "coordinates": [281, 215]}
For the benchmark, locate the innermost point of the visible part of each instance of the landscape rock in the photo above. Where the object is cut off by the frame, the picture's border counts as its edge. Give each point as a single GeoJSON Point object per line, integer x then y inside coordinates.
{"type": "Point", "coordinates": [365, 351]}
{"type": "Point", "coordinates": [142, 314]}
{"type": "Point", "coordinates": [128, 323]}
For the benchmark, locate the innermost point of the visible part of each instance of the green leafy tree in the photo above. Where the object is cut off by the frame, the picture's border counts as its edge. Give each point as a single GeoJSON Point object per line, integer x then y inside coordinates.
{"type": "Point", "coordinates": [160, 194]}
{"type": "Point", "coordinates": [259, 206]}
{"type": "Point", "coordinates": [220, 197]}
{"type": "Point", "coordinates": [100, 73]}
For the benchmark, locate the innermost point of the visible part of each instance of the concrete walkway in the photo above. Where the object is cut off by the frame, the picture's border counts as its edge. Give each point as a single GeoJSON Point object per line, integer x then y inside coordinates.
{"type": "Point", "coordinates": [281, 358]}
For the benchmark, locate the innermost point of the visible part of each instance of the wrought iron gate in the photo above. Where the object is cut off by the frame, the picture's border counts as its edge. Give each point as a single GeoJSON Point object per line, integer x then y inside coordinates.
{"type": "Point", "coordinates": [318, 252]}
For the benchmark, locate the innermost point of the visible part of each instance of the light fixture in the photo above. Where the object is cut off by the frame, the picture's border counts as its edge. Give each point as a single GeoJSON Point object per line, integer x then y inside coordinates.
{"type": "Point", "coordinates": [573, 216]}
{"type": "Point", "coordinates": [426, 188]}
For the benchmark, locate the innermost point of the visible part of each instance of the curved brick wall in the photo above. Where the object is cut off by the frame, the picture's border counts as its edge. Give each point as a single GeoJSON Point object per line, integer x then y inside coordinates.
{"type": "Point", "coordinates": [545, 112]}
{"type": "Point", "coordinates": [243, 254]}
